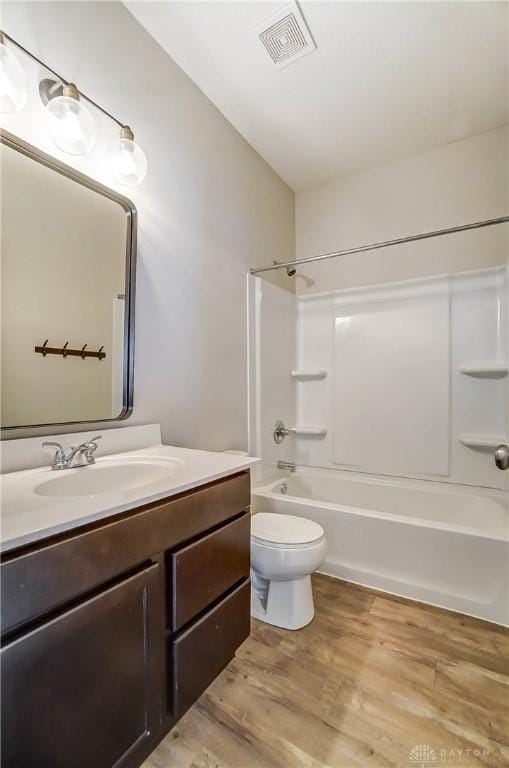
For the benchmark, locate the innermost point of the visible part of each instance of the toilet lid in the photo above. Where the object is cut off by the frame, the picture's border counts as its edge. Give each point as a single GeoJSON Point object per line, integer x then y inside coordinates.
{"type": "Point", "coordinates": [284, 529]}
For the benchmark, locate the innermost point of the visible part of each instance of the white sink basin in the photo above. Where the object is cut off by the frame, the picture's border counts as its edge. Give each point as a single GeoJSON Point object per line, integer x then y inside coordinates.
{"type": "Point", "coordinates": [107, 476]}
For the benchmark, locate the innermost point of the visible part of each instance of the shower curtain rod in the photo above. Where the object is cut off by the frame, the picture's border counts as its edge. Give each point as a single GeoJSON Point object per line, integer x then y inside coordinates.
{"type": "Point", "coordinates": [375, 246]}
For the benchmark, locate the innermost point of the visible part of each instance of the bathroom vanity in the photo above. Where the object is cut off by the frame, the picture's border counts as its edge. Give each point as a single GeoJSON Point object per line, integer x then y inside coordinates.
{"type": "Point", "coordinates": [112, 628]}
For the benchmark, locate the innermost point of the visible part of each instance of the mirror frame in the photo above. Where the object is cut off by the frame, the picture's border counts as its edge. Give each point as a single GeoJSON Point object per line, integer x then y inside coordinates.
{"type": "Point", "coordinates": [14, 142]}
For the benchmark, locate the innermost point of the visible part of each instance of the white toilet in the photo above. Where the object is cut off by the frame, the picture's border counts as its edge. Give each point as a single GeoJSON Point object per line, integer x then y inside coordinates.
{"type": "Point", "coordinates": [285, 550]}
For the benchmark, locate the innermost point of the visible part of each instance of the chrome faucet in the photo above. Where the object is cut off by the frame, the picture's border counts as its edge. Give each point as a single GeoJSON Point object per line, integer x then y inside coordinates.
{"type": "Point", "coordinates": [289, 465]}
{"type": "Point", "coordinates": [61, 460]}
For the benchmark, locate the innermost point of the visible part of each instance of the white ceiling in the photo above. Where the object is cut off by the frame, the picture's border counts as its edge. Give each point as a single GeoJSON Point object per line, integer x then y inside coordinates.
{"type": "Point", "coordinates": [388, 79]}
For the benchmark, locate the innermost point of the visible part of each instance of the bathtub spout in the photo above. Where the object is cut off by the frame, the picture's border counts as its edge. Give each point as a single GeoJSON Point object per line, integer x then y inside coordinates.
{"type": "Point", "coordinates": [286, 465]}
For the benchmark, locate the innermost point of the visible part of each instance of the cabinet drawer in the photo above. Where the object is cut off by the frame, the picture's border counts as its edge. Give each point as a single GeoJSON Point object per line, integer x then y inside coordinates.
{"type": "Point", "coordinates": [205, 569]}
{"type": "Point", "coordinates": [199, 654]}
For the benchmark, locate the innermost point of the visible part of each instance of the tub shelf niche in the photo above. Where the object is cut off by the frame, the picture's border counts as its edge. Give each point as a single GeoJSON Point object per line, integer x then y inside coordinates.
{"type": "Point", "coordinates": [486, 370]}
{"type": "Point", "coordinates": [309, 374]}
{"type": "Point", "coordinates": [481, 442]}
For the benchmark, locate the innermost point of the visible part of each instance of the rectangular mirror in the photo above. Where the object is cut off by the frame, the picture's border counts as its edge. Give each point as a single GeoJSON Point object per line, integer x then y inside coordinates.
{"type": "Point", "coordinates": [68, 255]}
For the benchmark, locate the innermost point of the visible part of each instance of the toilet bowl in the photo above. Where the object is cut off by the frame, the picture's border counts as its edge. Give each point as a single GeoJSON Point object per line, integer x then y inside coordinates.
{"type": "Point", "coordinates": [285, 550]}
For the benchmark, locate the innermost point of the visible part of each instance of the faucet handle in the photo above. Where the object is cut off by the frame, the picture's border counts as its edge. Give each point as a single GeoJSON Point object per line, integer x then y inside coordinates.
{"type": "Point", "coordinates": [51, 444]}
{"type": "Point", "coordinates": [59, 460]}
{"type": "Point", "coordinates": [90, 449]}
{"type": "Point", "coordinates": [92, 443]}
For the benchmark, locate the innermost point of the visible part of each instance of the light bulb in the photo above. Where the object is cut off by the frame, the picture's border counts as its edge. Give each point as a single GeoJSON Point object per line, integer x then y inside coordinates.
{"type": "Point", "coordinates": [70, 123]}
{"type": "Point", "coordinates": [13, 81]}
{"type": "Point", "coordinates": [127, 159]}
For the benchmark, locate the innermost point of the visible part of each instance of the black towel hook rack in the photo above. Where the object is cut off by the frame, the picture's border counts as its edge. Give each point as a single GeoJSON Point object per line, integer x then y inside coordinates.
{"type": "Point", "coordinates": [67, 351]}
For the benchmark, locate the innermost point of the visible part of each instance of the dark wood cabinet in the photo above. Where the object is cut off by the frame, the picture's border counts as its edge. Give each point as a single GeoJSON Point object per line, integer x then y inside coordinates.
{"type": "Point", "coordinates": [82, 689]}
{"type": "Point", "coordinates": [111, 632]}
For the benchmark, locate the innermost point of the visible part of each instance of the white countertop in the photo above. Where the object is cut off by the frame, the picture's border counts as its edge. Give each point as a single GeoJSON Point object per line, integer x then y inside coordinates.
{"type": "Point", "coordinates": [27, 517]}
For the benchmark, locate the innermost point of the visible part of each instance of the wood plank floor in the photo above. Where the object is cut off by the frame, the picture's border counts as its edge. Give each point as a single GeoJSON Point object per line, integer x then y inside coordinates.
{"type": "Point", "coordinates": [372, 678]}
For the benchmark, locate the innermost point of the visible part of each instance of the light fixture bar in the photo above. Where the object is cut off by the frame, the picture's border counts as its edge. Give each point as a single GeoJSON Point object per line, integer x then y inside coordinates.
{"type": "Point", "coordinates": [60, 78]}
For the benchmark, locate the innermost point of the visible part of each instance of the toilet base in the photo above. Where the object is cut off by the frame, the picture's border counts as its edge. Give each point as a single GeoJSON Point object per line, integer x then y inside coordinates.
{"type": "Point", "coordinates": [289, 604]}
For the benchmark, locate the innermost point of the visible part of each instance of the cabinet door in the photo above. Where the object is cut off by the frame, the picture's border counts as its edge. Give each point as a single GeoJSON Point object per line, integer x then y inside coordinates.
{"type": "Point", "coordinates": [83, 690]}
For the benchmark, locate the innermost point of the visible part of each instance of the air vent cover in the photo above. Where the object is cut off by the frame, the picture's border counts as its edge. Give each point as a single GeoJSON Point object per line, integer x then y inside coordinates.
{"type": "Point", "coordinates": [285, 36]}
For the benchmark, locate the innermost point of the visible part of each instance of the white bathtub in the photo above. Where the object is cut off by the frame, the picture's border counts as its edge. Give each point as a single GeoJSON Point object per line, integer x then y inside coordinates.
{"type": "Point", "coordinates": [448, 546]}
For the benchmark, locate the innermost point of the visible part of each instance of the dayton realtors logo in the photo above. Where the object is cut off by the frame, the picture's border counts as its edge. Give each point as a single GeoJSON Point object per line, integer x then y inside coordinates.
{"type": "Point", "coordinates": [423, 755]}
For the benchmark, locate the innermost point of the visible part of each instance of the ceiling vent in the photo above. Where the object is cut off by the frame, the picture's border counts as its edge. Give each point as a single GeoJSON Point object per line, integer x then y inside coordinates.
{"type": "Point", "coordinates": [285, 36]}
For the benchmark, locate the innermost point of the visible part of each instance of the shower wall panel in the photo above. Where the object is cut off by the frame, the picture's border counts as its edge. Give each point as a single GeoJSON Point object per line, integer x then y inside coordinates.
{"type": "Point", "coordinates": [391, 365]}
{"type": "Point", "coordinates": [396, 400]}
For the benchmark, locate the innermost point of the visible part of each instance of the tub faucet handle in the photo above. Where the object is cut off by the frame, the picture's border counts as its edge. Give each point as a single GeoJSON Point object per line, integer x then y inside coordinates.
{"type": "Point", "coordinates": [280, 432]}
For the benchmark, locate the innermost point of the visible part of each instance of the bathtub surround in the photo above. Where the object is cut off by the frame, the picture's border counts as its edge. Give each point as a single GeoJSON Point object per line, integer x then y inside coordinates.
{"type": "Point", "coordinates": [395, 399]}
{"type": "Point", "coordinates": [208, 209]}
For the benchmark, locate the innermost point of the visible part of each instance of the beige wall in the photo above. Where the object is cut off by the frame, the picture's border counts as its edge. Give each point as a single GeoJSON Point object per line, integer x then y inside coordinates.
{"type": "Point", "coordinates": [209, 209]}
{"type": "Point", "coordinates": [60, 277]}
{"type": "Point", "coordinates": [459, 183]}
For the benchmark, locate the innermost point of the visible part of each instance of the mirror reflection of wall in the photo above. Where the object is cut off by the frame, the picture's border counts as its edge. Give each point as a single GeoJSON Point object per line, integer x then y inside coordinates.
{"type": "Point", "coordinates": [63, 249]}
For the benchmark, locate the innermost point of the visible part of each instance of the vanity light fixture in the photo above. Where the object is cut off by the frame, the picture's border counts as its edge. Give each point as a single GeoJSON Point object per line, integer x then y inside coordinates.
{"type": "Point", "coordinates": [70, 124]}
{"type": "Point", "coordinates": [127, 159]}
{"type": "Point", "coordinates": [13, 80]}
